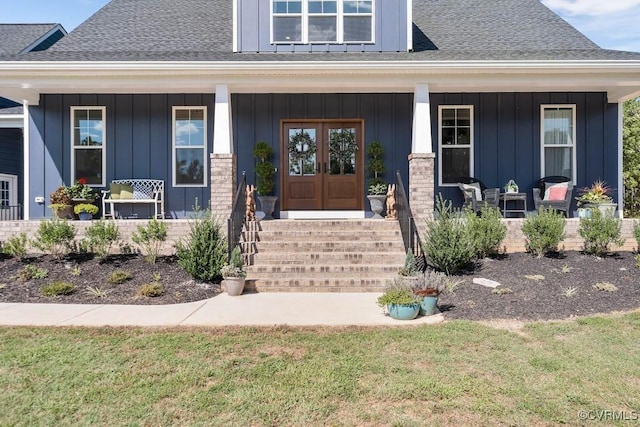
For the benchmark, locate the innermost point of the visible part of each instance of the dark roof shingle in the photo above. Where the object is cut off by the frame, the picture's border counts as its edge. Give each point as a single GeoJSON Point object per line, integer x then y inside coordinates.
{"type": "Point", "coordinates": [201, 30]}
{"type": "Point", "coordinates": [14, 38]}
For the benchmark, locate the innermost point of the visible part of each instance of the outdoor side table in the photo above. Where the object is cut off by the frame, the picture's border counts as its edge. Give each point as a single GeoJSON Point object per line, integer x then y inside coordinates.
{"type": "Point", "coordinates": [515, 199]}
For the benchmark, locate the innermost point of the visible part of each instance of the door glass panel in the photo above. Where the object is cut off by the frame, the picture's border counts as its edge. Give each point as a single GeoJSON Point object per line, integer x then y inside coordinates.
{"type": "Point", "coordinates": [4, 193]}
{"type": "Point", "coordinates": [342, 151]}
{"type": "Point", "coordinates": [302, 148]}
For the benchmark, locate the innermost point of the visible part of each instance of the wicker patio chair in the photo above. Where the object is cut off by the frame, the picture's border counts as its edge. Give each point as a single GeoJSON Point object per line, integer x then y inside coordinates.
{"type": "Point", "coordinates": [470, 186]}
{"type": "Point", "coordinates": [539, 199]}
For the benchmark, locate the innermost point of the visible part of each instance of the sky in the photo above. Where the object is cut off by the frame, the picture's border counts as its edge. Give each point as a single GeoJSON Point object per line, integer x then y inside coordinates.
{"type": "Point", "coordinates": [612, 24]}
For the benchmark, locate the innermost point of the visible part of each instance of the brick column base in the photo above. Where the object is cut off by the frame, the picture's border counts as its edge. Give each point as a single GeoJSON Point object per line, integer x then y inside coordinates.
{"type": "Point", "coordinates": [223, 184]}
{"type": "Point", "coordinates": [421, 188]}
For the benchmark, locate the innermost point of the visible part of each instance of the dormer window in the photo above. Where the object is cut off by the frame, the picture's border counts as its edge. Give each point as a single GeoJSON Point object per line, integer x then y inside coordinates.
{"type": "Point", "coordinates": [322, 21]}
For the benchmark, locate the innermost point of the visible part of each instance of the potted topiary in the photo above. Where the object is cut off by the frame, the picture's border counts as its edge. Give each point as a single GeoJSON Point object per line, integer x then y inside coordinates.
{"type": "Point", "coordinates": [61, 203]}
{"type": "Point", "coordinates": [400, 302]}
{"type": "Point", "coordinates": [265, 172]}
{"type": "Point", "coordinates": [377, 188]}
{"type": "Point", "coordinates": [234, 274]}
{"type": "Point", "coordinates": [85, 211]}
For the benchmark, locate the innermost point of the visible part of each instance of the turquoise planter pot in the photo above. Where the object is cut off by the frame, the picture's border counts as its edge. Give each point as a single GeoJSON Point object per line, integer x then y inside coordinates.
{"type": "Point", "coordinates": [403, 312]}
{"type": "Point", "coordinates": [428, 306]}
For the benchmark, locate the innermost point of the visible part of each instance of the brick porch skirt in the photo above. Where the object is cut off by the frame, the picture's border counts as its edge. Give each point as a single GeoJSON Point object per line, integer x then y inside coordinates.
{"type": "Point", "coordinates": [179, 228]}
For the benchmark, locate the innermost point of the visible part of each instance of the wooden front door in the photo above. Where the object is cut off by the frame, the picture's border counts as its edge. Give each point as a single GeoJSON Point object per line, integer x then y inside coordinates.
{"type": "Point", "coordinates": [322, 165]}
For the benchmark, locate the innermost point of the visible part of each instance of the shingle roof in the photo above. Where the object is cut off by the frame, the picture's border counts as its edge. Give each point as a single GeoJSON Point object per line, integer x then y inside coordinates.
{"type": "Point", "coordinates": [15, 37]}
{"type": "Point", "coordinates": [11, 111]}
{"type": "Point", "coordinates": [201, 30]}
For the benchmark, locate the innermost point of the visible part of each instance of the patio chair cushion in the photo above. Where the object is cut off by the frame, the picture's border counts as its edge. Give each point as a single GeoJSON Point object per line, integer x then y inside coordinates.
{"type": "Point", "coordinates": [475, 187]}
{"type": "Point", "coordinates": [557, 192]}
{"type": "Point", "coordinates": [559, 185]}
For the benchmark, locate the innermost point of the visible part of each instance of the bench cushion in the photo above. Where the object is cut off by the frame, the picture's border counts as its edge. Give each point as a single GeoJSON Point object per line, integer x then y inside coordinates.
{"type": "Point", "coordinates": [114, 190]}
{"type": "Point", "coordinates": [126, 191]}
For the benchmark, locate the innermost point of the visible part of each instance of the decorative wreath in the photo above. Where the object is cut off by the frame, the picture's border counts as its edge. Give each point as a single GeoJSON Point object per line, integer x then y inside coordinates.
{"type": "Point", "coordinates": [301, 147]}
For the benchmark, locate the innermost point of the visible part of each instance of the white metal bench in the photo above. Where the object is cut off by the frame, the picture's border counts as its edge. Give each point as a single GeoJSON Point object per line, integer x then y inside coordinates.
{"type": "Point", "coordinates": [144, 191]}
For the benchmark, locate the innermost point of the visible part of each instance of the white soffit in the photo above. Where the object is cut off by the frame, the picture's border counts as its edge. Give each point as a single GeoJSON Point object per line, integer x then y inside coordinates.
{"type": "Point", "coordinates": [620, 79]}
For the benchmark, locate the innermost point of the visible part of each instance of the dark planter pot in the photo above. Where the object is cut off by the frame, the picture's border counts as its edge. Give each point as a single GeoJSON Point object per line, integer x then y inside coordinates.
{"type": "Point", "coordinates": [234, 286]}
{"type": "Point", "coordinates": [85, 216]}
{"type": "Point", "coordinates": [268, 204]}
{"type": "Point", "coordinates": [403, 312]}
{"type": "Point", "coordinates": [65, 213]}
{"type": "Point", "coordinates": [377, 205]}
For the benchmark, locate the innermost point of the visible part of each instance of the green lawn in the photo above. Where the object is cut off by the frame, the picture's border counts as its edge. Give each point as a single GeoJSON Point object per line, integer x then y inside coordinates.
{"type": "Point", "coordinates": [457, 373]}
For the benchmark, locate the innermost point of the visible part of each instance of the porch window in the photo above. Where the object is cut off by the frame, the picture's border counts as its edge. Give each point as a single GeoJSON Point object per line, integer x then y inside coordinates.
{"type": "Point", "coordinates": [558, 156]}
{"type": "Point", "coordinates": [189, 146]}
{"type": "Point", "coordinates": [455, 143]}
{"type": "Point", "coordinates": [322, 21]}
{"type": "Point", "coordinates": [88, 135]}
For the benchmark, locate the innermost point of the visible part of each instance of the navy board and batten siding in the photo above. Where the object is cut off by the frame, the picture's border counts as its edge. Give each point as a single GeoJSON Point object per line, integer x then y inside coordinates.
{"type": "Point", "coordinates": [11, 148]}
{"type": "Point", "coordinates": [390, 30]}
{"type": "Point", "coordinates": [387, 118]}
{"type": "Point", "coordinates": [507, 138]}
{"type": "Point", "coordinates": [138, 144]}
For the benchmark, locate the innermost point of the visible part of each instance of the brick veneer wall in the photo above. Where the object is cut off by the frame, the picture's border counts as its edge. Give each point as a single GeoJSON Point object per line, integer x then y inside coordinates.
{"type": "Point", "coordinates": [421, 187]}
{"type": "Point", "coordinates": [223, 183]}
{"type": "Point", "coordinates": [177, 229]}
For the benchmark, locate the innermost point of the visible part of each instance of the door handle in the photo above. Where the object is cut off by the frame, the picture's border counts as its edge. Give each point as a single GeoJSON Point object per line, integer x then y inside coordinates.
{"type": "Point", "coordinates": [318, 168]}
{"type": "Point", "coordinates": [326, 169]}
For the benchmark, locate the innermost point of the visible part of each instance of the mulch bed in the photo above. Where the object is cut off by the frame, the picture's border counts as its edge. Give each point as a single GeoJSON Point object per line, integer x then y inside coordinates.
{"type": "Point", "coordinates": [538, 286]}
{"type": "Point", "coordinates": [84, 271]}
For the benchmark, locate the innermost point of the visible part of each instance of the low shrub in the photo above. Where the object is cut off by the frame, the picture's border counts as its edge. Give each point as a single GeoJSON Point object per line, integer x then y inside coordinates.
{"type": "Point", "coordinates": [118, 277]}
{"type": "Point", "coordinates": [543, 232]}
{"type": "Point", "coordinates": [30, 271]}
{"type": "Point", "coordinates": [636, 234]}
{"type": "Point", "coordinates": [599, 232]}
{"type": "Point", "coordinates": [410, 267]}
{"type": "Point", "coordinates": [400, 294]}
{"type": "Point", "coordinates": [204, 252]}
{"type": "Point", "coordinates": [57, 288]}
{"type": "Point", "coordinates": [16, 246]}
{"type": "Point", "coordinates": [55, 237]}
{"type": "Point", "coordinates": [487, 231]}
{"type": "Point", "coordinates": [150, 290]}
{"type": "Point", "coordinates": [150, 239]}
{"type": "Point", "coordinates": [100, 236]}
{"type": "Point", "coordinates": [446, 243]}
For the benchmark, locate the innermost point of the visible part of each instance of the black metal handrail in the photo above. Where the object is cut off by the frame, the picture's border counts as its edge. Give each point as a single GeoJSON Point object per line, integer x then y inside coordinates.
{"type": "Point", "coordinates": [405, 218]}
{"type": "Point", "coordinates": [11, 213]}
{"type": "Point", "coordinates": [237, 217]}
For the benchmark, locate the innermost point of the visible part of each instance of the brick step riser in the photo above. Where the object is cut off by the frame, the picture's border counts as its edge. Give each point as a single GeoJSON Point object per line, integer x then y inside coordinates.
{"type": "Point", "coordinates": [325, 237]}
{"type": "Point", "coordinates": [323, 269]}
{"type": "Point", "coordinates": [281, 247]}
{"type": "Point", "coordinates": [324, 275]}
{"type": "Point", "coordinates": [328, 259]}
{"type": "Point", "coordinates": [263, 288]}
{"type": "Point", "coordinates": [378, 226]}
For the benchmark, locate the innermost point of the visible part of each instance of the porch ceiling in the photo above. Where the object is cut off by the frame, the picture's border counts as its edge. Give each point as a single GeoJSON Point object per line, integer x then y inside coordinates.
{"type": "Point", "coordinates": [27, 80]}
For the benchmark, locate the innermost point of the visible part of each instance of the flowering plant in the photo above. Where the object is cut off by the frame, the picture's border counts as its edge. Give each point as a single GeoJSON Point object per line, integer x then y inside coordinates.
{"type": "Point", "coordinates": [80, 190]}
{"type": "Point", "coordinates": [598, 193]}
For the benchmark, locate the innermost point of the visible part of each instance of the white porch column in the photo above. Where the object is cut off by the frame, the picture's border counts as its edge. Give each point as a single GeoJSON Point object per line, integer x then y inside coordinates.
{"type": "Point", "coordinates": [223, 160]}
{"type": "Point", "coordinates": [421, 161]}
{"type": "Point", "coordinates": [421, 136]}
{"type": "Point", "coordinates": [620, 160]}
{"type": "Point", "coordinates": [222, 130]}
{"type": "Point", "coordinates": [26, 197]}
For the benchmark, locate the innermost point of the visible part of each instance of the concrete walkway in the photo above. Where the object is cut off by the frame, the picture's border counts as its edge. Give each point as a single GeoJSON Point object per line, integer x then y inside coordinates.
{"type": "Point", "coordinates": [252, 309]}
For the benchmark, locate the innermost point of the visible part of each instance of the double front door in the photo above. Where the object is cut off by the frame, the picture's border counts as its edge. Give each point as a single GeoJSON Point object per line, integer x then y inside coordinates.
{"type": "Point", "coordinates": [322, 165]}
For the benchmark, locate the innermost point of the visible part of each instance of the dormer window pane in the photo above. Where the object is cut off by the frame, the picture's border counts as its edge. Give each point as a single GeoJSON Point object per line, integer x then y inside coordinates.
{"type": "Point", "coordinates": [287, 29]}
{"type": "Point", "coordinates": [287, 6]}
{"type": "Point", "coordinates": [357, 28]}
{"type": "Point", "coordinates": [322, 29]}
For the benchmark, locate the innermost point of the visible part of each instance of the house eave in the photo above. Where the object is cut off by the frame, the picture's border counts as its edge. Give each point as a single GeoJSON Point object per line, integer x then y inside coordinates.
{"type": "Point", "coordinates": [619, 78]}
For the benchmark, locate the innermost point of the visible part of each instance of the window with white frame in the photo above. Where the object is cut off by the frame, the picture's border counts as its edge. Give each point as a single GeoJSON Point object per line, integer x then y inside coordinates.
{"type": "Point", "coordinates": [88, 134]}
{"type": "Point", "coordinates": [189, 146]}
{"type": "Point", "coordinates": [455, 143]}
{"type": "Point", "coordinates": [558, 136]}
{"type": "Point", "coordinates": [322, 21]}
